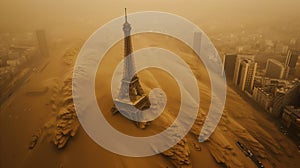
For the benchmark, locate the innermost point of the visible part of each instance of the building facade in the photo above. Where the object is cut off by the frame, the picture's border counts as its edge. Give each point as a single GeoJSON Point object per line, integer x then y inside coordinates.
{"type": "Point", "coordinates": [284, 97]}
{"type": "Point", "coordinates": [245, 69]}
{"type": "Point", "coordinates": [291, 117]}
{"type": "Point", "coordinates": [274, 69]}
{"type": "Point", "coordinates": [229, 65]}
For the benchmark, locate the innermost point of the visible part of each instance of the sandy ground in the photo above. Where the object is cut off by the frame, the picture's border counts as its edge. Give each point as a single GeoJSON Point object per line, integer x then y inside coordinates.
{"type": "Point", "coordinates": [25, 114]}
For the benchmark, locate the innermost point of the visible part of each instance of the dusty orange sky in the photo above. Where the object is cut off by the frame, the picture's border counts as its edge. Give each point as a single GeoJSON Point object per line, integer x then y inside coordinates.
{"type": "Point", "coordinates": [73, 19]}
{"type": "Point", "coordinates": [81, 18]}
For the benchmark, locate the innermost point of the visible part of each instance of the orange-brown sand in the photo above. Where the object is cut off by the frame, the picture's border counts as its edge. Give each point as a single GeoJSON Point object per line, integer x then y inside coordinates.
{"type": "Point", "coordinates": [23, 115]}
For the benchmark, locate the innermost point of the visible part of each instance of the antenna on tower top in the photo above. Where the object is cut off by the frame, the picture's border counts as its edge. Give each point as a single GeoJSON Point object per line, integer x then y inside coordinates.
{"type": "Point", "coordinates": [125, 15]}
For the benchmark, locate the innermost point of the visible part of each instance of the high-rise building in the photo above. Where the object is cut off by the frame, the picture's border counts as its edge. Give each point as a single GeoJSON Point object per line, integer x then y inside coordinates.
{"type": "Point", "coordinates": [197, 42]}
{"type": "Point", "coordinates": [229, 65]}
{"type": "Point", "coordinates": [274, 69]}
{"type": "Point", "coordinates": [42, 41]}
{"type": "Point", "coordinates": [290, 62]}
{"type": "Point", "coordinates": [245, 69]}
{"type": "Point", "coordinates": [238, 61]}
{"type": "Point", "coordinates": [291, 58]}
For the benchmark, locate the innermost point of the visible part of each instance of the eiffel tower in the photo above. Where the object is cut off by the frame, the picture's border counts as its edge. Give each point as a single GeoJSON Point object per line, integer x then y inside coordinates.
{"type": "Point", "coordinates": [130, 87]}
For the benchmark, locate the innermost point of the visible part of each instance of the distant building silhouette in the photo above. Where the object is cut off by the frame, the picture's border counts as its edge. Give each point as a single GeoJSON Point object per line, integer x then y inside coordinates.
{"type": "Point", "coordinates": [197, 42]}
{"type": "Point", "coordinates": [229, 65]}
{"type": "Point", "coordinates": [291, 61]}
{"type": "Point", "coordinates": [274, 69]}
{"type": "Point", "coordinates": [291, 58]}
{"type": "Point", "coordinates": [42, 41]}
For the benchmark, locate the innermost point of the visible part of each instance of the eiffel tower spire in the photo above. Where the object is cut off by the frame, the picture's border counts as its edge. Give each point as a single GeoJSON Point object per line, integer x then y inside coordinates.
{"type": "Point", "coordinates": [125, 15]}
{"type": "Point", "coordinates": [129, 61]}
{"type": "Point", "coordinates": [130, 86]}
{"type": "Point", "coordinates": [135, 90]}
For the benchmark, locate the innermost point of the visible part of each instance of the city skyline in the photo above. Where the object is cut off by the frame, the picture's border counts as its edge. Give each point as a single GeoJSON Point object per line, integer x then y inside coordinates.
{"type": "Point", "coordinates": [83, 84]}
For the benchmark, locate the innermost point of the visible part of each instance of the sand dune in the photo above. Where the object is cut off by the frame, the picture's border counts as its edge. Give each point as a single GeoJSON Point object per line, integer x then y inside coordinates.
{"type": "Point", "coordinates": [34, 110]}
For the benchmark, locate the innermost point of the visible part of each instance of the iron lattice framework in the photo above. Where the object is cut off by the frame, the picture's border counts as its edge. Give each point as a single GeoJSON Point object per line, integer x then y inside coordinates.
{"type": "Point", "coordinates": [130, 86]}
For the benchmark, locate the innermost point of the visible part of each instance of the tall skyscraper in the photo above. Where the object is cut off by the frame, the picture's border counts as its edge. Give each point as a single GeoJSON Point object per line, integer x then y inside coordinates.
{"type": "Point", "coordinates": [130, 86]}
{"type": "Point", "coordinates": [43, 46]}
{"type": "Point", "coordinates": [291, 58]}
{"type": "Point", "coordinates": [197, 42]}
{"type": "Point", "coordinates": [238, 61]}
{"type": "Point", "coordinates": [229, 65]}
{"type": "Point", "coordinates": [245, 69]}
{"type": "Point", "coordinates": [290, 62]}
{"type": "Point", "coordinates": [274, 69]}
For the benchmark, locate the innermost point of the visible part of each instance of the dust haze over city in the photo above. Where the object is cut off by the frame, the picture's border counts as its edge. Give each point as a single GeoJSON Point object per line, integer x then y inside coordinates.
{"type": "Point", "coordinates": [258, 43]}
{"type": "Point", "coordinates": [79, 19]}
